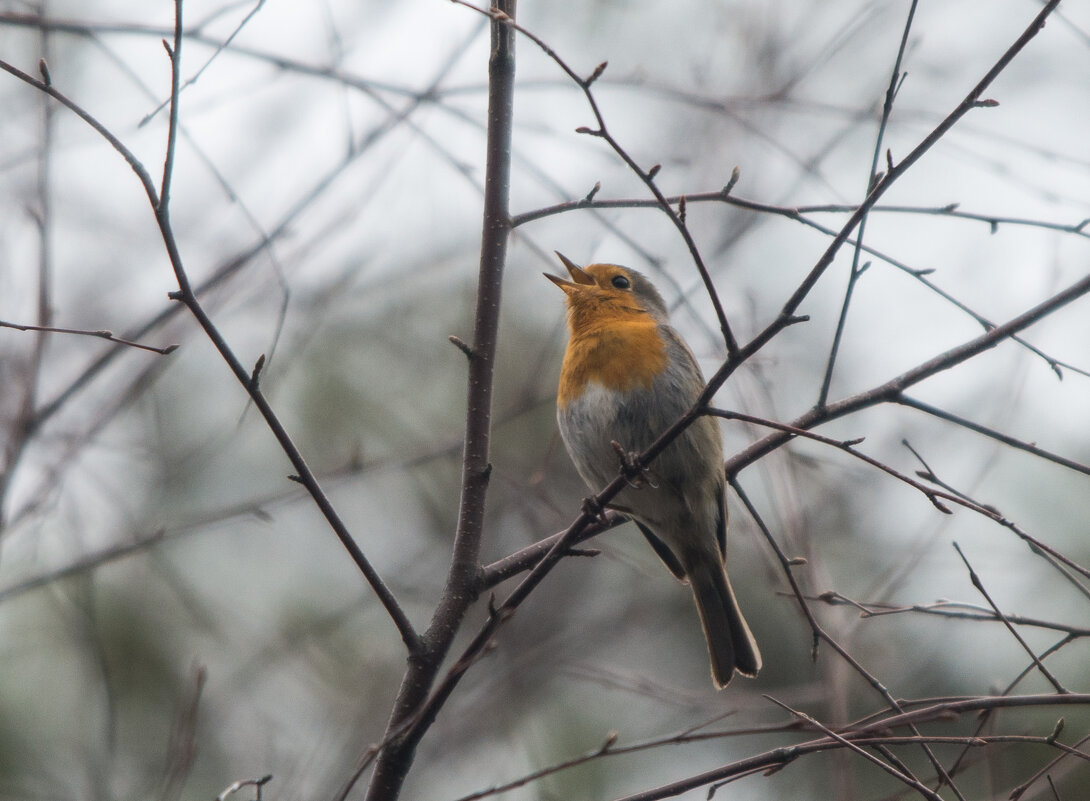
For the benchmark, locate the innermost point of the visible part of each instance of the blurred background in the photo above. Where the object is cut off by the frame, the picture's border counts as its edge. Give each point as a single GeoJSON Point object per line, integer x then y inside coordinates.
{"type": "Point", "coordinates": [175, 615]}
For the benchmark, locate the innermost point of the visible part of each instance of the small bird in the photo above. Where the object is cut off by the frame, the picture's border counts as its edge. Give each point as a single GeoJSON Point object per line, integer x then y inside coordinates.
{"type": "Point", "coordinates": [627, 376]}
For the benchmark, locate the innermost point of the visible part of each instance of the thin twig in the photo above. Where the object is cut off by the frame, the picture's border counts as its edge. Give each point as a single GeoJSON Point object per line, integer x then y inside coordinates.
{"type": "Point", "coordinates": [991, 433]}
{"type": "Point", "coordinates": [818, 632]}
{"type": "Point", "coordinates": [973, 577]}
{"type": "Point", "coordinates": [857, 270]}
{"type": "Point", "coordinates": [107, 335]}
{"type": "Point", "coordinates": [914, 783]}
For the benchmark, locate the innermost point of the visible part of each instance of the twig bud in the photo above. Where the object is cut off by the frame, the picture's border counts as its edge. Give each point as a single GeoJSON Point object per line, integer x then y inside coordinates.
{"type": "Point", "coordinates": [596, 74]}
{"type": "Point", "coordinates": [735, 174]}
{"type": "Point", "coordinates": [256, 373]}
{"type": "Point", "coordinates": [462, 346]}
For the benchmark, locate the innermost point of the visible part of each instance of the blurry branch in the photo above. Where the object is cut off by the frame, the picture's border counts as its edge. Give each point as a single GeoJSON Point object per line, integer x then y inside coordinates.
{"type": "Point", "coordinates": [107, 335]}
{"type": "Point", "coordinates": [22, 430]}
{"type": "Point", "coordinates": [208, 62]}
{"type": "Point", "coordinates": [819, 633]}
{"type": "Point", "coordinates": [186, 296]}
{"type": "Point", "coordinates": [775, 760]}
{"type": "Point", "coordinates": [609, 748]}
{"type": "Point", "coordinates": [876, 733]}
{"type": "Point", "coordinates": [1062, 564]}
{"type": "Point", "coordinates": [182, 748]}
{"type": "Point", "coordinates": [999, 436]}
{"type": "Point", "coordinates": [935, 497]}
{"type": "Point", "coordinates": [906, 778]}
{"type": "Point", "coordinates": [237, 263]}
{"type": "Point", "coordinates": [90, 562]}
{"type": "Point", "coordinates": [857, 269]}
{"type": "Point", "coordinates": [944, 608]}
{"type": "Point", "coordinates": [234, 787]}
{"type": "Point", "coordinates": [92, 29]}
{"type": "Point", "coordinates": [848, 446]}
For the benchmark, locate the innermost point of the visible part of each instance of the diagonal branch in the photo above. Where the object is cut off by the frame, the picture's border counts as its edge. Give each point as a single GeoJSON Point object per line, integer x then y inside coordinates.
{"type": "Point", "coordinates": [975, 579]}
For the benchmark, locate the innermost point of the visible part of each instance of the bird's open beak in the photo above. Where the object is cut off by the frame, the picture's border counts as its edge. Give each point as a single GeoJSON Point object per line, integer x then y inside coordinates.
{"type": "Point", "coordinates": [577, 273]}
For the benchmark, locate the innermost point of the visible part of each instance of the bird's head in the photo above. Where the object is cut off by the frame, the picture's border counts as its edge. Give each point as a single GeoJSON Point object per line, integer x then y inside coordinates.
{"type": "Point", "coordinates": [608, 290]}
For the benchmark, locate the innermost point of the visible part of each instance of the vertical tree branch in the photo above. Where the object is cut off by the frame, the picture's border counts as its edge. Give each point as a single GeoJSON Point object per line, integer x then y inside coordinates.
{"type": "Point", "coordinates": [22, 428]}
{"type": "Point", "coordinates": [857, 270]}
{"type": "Point", "coordinates": [396, 760]}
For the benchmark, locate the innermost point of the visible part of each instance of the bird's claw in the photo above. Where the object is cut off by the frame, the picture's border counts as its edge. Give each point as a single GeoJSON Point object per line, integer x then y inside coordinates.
{"type": "Point", "coordinates": [594, 510]}
{"type": "Point", "coordinates": [635, 474]}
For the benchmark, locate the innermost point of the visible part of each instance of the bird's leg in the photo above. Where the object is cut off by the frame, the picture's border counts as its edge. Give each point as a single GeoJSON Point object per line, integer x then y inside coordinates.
{"type": "Point", "coordinates": [634, 474]}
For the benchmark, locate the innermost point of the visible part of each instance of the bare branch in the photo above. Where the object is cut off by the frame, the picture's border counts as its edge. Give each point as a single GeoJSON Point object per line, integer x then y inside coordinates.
{"type": "Point", "coordinates": [107, 335]}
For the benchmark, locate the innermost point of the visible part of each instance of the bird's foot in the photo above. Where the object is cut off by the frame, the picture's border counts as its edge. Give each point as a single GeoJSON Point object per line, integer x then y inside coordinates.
{"type": "Point", "coordinates": [635, 474]}
{"type": "Point", "coordinates": [594, 510]}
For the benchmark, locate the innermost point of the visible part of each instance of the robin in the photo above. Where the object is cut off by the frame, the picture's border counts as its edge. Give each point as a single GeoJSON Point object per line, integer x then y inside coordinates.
{"type": "Point", "coordinates": [627, 376]}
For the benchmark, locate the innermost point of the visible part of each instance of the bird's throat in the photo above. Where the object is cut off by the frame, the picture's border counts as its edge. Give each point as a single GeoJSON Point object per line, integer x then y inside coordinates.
{"type": "Point", "coordinates": [621, 354]}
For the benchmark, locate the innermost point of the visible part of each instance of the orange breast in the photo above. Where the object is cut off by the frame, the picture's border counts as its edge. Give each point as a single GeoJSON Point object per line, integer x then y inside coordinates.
{"type": "Point", "coordinates": [620, 355]}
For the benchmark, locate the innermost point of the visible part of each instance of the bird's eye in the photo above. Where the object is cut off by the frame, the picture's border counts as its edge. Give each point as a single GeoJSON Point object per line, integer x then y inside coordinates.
{"type": "Point", "coordinates": [620, 282]}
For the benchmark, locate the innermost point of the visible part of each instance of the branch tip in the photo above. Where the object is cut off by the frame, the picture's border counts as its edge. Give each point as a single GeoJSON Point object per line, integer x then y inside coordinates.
{"type": "Point", "coordinates": [256, 372]}
{"type": "Point", "coordinates": [583, 552]}
{"type": "Point", "coordinates": [593, 191]}
{"type": "Point", "coordinates": [946, 510]}
{"type": "Point", "coordinates": [462, 346]}
{"type": "Point", "coordinates": [735, 174]}
{"type": "Point", "coordinates": [596, 74]}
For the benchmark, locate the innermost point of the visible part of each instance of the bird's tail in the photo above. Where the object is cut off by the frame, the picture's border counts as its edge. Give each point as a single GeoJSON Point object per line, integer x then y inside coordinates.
{"type": "Point", "coordinates": [731, 645]}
